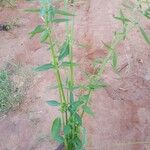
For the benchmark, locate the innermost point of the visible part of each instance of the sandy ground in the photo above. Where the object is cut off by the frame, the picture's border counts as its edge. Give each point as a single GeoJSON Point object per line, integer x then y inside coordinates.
{"type": "Point", "coordinates": [122, 110]}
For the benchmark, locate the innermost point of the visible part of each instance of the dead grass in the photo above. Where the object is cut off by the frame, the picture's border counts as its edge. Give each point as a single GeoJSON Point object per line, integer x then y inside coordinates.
{"type": "Point", "coordinates": [14, 81]}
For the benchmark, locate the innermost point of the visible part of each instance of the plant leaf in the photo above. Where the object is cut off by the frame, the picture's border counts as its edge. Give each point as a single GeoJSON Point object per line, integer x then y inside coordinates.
{"type": "Point", "coordinates": [71, 97]}
{"type": "Point", "coordinates": [38, 29]}
{"type": "Point", "coordinates": [32, 10]}
{"type": "Point", "coordinates": [60, 20]}
{"type": "Point", "coordinates": [44, 67]}
{"type": "Point", "coordinates": [84, 139]}
{"type": "Point", "coordinates": [59, 139]}
{"type": "Point", "coordinates": [44, 35]}
{"type": "Point", "coordinates": [56, 127]}
{"type": "Point", "coordinates": [144, 34]}
{"type": "Point", "coordinates": [78, 143]}
{"type": "Point", "coordinates": [67, 129]}
{"type": "Point", "coordinates": [78, 119]}
{"type": "Point", "coordinates": [114, 60]}
{"type": "Point", "coordinates": [67, 64]}
{"type": "Point", "coordinates": [64, 51]}
{"type": "Point", "coordinates": [84, 98]}
{"type": "Point", "coordinates": [53, 103]}
{"type": "Point", "coordinates": [62, 12]}
{"type": "Point", "coordinates": [87, 110]}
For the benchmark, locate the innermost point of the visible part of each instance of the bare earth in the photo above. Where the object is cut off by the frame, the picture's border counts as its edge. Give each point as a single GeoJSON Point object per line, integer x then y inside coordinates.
{"type": "Point", "coordinates": [122, 110]}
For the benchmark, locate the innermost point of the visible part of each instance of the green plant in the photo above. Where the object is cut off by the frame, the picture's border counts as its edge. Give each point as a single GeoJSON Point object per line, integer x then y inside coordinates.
{"type": "Point", "coordinates": [69, 129]}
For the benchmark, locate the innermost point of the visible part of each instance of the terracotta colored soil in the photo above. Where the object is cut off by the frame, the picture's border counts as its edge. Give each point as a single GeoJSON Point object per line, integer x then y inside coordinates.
{"type": "Point", "coordinates": [122, 110]}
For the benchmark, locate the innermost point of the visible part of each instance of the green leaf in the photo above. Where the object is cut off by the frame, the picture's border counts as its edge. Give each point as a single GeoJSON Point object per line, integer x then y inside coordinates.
{"type": "Point", "coordinates": [38, 29]}
{"type": "Point", "coordinates": [32, 10]}
{"type": "Point", "coordinates": [146, 14]}
{"type": "Point", "coordinates": [84, 139]}
{"type": "Point", "coordinates": [67, 64]}
{"type": "Point", "coordinates": [59, 139]}
{"type": "Point", "coordinates": [60, 20]}
{"type": "Point", "coordinates": [144, 34]}
{"type": "Point", "coordinates": [114, 60]}
{"type": "Point", "coordinates": [84, 98]}
{"type": "Point", "coordinates": [78, 119]}
{"type": "Point", "coordinates": [78, 143]}
{"type": "Point", "coordinates": [122, 18]}
{"type": "Point", "coordinates": [62, 12]}
{"type": "Point", "coordinates": [87, 110]}
{"type": "Point", "coordinates": [64, 51]}
{"type": "Point", "coordinates": [75, 105]}
{"type": "Point", "coordinates": [67, 129]}
{"type": "Point", "coordinates": [53, 103]}
{"type": "Point", "coordinates": [71, 97]}
{"type": "Point", "coordinates": [95, 86]}
{"type": "Point", "coordinates": [44, 35]}
{"type": "Point", "coordinates": [109, 48]}
{"type": "Point", "coordinates": [56, 127]}
{"type": "Point", "coordinates": [44, 67]}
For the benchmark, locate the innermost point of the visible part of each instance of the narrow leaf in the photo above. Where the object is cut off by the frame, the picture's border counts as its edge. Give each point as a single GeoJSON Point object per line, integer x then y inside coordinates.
{"type": "Point", "coordinates": [59, 139]}
{"type": "Point", "coordinates": [64, 51]}
{"type": "Point", "coordinates": [84, 98]}
{"type": "Point", "coordinates": [44, 35]}
{"type": "Point", "coordinates": [44, 67]}
{"type": "Point", "coordinates": [60, 20]}
{"type": "Point", "coordinates": [114, 60]}
{"type": "Point", "coordinates": [71, 97]}
{"type": "Point", "coordinates": [78, 143]}
{"type": "Point", "coordinates": [62, 12]}
{"type": "Point", "coordinates": [38, 29]}
{"type": "Point", "coordinates": [78, 119]}
{"type": "Point", "coordinates": [32, 10]}
{"type": "Point", "coordinates": [53, 103]}
{"type": "Point", "coordinates": [84, 139]}
{"type": "Point", "coordinates": [144, 34]}
{"type": "Point", "coordinates": [67, 64]}
{"type": "Point", "coordinates": [87, 110]}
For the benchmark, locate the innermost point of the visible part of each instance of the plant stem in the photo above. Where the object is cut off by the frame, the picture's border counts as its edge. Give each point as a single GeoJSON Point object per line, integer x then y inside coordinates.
{"type": "Point", "coordinates": [89, 93]}
{"type": "Point", "coordinates": [58, 77]}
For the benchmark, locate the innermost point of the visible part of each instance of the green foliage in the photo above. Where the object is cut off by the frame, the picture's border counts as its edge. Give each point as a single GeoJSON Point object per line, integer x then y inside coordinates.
{"type": "Point", "coordinates": [73, 108]}
{"type": "Point", "coordinates": [144, 34]}
{"type": "Point", "coordinates": [55, 131]}
{"type": "Point", "coordinates": [44, 67]}
{"type": "Point", "coordinates": [53, 103]}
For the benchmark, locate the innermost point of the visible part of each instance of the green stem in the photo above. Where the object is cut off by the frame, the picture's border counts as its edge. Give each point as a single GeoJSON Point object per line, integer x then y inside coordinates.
{"type": "Point", "coordinates": [58, 77]}
{"type": "Point", "coordinates": [89, 93]}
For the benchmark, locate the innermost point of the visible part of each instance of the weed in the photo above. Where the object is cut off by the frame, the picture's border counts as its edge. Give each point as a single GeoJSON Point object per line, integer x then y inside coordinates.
{"type": "Point", "coordinates": [69, 129]}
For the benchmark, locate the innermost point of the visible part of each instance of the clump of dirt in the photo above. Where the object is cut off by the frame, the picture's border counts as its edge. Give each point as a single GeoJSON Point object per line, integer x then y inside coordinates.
{"type": "Point", "coordinates": [7, 3]}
